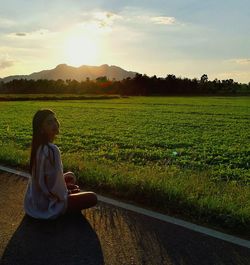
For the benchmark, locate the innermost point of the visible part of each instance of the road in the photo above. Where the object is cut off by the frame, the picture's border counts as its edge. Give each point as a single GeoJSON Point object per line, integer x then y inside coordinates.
{"type": "Point", "coordinates": [102, 235]}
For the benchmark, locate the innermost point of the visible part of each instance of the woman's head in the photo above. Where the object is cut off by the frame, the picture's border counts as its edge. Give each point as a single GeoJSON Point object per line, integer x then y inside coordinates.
{"type": "Point", "coordinates": [45, 125]}
{"type": "Point", "coordinates": [45, 128]}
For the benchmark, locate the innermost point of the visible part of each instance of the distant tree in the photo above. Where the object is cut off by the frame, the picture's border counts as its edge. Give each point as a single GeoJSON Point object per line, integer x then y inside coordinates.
{"type": "Point", "coordinates": [101, 79]}
{"type": "Point", "coordinates": [139, 85]}
{"type": "Point", "coordinates": [204, 78]}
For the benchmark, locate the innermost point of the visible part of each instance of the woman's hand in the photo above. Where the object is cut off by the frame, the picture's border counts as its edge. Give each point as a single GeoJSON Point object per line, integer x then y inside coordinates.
{"type": "Point", "coordinates": [72, 188]}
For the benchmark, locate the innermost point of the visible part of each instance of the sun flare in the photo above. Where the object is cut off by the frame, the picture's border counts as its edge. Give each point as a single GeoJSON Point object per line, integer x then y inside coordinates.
{"type": "Point", "coordinates": [81, 50]}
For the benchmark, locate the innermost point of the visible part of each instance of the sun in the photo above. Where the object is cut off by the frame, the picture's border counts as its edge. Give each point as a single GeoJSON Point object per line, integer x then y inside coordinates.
{"type": "Point", "coordinates": [81, 50]}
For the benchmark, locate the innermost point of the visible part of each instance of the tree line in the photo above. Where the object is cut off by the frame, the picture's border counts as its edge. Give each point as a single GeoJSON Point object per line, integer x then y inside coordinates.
{"type": "Point", "coordinates": [140, 85]}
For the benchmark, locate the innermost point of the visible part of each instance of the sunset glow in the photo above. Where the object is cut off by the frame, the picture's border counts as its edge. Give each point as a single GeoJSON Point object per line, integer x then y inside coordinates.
{"type": "Point", "coordinates": [186, 38]}
{"type": "Point", "coordinates": [81, 50]}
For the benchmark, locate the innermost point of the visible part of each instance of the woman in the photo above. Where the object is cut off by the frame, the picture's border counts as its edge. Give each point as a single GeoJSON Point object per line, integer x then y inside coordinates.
{"type": "Point", "coordinates": [50, 192]}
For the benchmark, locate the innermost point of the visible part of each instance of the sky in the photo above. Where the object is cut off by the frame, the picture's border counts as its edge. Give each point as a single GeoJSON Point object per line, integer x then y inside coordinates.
{"type": "Point", "coordinates": [187, 38]}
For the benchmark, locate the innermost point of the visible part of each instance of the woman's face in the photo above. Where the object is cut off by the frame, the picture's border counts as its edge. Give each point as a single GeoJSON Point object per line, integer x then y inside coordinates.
{"type": "Point", "coordinates": [51, 127]}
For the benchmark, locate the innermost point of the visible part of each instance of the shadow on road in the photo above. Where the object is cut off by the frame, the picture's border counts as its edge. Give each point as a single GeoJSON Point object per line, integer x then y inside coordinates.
{"type": "Point", "coordinates": [67, 240]}
{"type": "Point", "coordinates": [132, 238]}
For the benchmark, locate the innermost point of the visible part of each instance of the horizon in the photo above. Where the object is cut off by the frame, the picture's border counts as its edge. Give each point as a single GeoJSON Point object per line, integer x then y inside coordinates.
{"type": "Point", "coordinates": [185, 38]}
{"type": "Point", "coordinates": [68, 66]}
{"type": "Point", "coordinates": [181, 77]}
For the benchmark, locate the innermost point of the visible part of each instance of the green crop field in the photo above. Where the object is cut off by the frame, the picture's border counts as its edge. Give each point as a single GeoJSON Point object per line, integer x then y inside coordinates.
{"type": "Point", "coordinates": [188, 156]}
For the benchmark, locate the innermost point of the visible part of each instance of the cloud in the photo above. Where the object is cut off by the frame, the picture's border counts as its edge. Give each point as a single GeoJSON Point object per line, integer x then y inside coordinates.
{"type": "Point", "coordinates": [6, 62]}
{"type": "Point", "coordinates": [30, 35]}
{"type": "Point", "coordinates": [133, 19]}
{"type": "Point", "coordinates": [6, 23]}
{"type": "Point", "coordinates": [241, 61]}
{"type": "Point", "coordinates": [21, 34]}
{"type": "Point", "coordinates": [163, 20]}
{"type": "Point", "coordinates": [105, 18]}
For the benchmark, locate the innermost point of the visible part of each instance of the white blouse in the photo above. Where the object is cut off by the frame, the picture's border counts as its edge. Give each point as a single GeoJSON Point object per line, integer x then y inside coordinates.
{"type": "Point", "coordinates": [47, 195]}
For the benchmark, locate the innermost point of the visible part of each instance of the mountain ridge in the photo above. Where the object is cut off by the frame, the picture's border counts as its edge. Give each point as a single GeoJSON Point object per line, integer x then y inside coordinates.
{"type": "Point", "coordinates": [81, 73]}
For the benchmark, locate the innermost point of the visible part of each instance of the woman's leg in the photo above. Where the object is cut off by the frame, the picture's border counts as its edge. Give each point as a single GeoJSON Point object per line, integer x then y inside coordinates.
{"type": "Point", "coordinates": [81, 200]}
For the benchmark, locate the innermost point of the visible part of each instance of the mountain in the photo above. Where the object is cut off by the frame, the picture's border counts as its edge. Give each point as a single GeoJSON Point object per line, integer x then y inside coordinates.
{"type": "Point", "coordinates": [64, 71]}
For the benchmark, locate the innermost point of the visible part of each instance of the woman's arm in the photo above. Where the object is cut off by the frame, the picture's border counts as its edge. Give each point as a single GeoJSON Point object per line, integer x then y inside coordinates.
{"type": "Point", "coordinates": [54, 174]}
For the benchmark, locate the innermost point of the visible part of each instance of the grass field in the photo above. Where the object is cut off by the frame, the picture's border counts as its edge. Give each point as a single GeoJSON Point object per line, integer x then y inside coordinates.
{"type": "Point", "coordinates": [188, 156]}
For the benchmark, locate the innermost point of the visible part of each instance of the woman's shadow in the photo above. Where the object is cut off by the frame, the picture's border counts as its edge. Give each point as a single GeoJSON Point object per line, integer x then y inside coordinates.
{"type": "Point", "coordinates": [68, 240]}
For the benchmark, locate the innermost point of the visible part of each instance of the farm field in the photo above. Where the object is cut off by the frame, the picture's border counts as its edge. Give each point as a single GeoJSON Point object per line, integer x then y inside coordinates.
{"type": "Point", "coordinates": [184, 155]}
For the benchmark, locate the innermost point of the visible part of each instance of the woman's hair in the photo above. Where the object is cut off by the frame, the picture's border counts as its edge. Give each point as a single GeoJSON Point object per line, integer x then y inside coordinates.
{"type": "Point", "coordinates": [38, 136]}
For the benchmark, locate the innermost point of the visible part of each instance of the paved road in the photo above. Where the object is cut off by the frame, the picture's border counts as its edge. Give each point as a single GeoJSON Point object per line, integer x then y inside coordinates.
{"type": "Point", "coordinates": [102, 235]}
